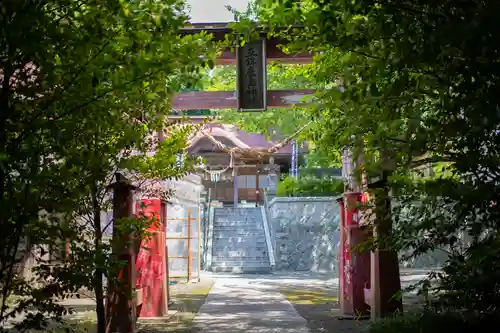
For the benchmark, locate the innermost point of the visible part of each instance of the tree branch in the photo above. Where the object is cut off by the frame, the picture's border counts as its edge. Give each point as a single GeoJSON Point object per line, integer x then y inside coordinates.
{"type": "Point", "coordinates": [87, 103]}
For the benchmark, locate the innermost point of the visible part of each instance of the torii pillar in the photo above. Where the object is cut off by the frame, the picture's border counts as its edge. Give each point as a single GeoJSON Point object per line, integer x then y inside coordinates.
{"type": "Point", "coordinates": [369, 281]}
{"type": "Point", "coordinates": [385, 298]}
{"type": "Point", "coordinates": [120, 303]}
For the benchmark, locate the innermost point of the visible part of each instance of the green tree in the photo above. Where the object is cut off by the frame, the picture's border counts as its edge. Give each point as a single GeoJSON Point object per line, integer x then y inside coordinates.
{"type": "Point", "coordinates": [414, 79]}
{"type": "Point", "coordinates": [83, 84]}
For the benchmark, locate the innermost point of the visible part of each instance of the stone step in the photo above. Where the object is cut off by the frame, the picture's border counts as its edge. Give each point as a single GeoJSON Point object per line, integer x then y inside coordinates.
{"type": "Point", "coordinates": [237, 218]}
{"type": "Point", "coordinates": [239, 253]}
{"type": "Point", "coordinates": [231, 243]}
{"type": "Point", "coordinates": [229, 246]}
{"type": "Point", "coordinates": [237, 222]}
{"type": "Point", "coordinates": [237, 240]}
{"type": "Point", "coordinates": [243, 258]}
{"type": "Point", "coordinates": [242, 270]}
{"type": "Point", "coordinates": [256, 215]}
{"type": "Point", "coordinates": [237, 210]}
{"type": "Point", "coordinates": [219, 265]}
{"type": "Point", "coordinates": [239, 247]}
{"type": "Point", "coordinates": [246, 212]}
{"type": "Point", "coordinates": [239, 231]}
{"type": "Point", "coordinates": [229, 236]}
{"type": "Point", "coordinates": [240, 234]}
{"type": "Point", "coordinates": [256, 234]}
{"type": "Point", "coordinates": [236, 228]}
{"type": "Point", "coordinates": [240, 263]}
{"type": "Point", "coordinates": [229, 252]}
{"type": "Point", "coordinates": [249, 243]}
{"type": "Point", "coordinates": [238, 243]}
{"type": "Point", "coordinates": [246, 238]}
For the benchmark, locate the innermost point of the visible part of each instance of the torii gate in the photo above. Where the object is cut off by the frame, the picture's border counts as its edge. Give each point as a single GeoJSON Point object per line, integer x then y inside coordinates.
{"type": "Point", "coordinates": [368, 281]}
{"type": "Point", "coordinates": [355, 275]}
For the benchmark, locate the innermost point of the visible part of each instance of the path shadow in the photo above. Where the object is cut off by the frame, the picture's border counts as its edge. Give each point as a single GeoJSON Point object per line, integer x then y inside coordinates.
{"type": "Point", "coordinates": [187, 300]}
{"type": "Point", "coordinates": [315, 297]}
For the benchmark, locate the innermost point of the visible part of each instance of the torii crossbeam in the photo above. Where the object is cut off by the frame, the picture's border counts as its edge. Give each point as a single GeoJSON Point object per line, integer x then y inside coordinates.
{"type": "Point", "coordinates": [229, 99]}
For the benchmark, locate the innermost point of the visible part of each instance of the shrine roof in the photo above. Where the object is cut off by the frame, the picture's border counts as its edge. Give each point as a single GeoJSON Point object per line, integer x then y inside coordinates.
{"type": "Point", "coordinates": [242, 139]}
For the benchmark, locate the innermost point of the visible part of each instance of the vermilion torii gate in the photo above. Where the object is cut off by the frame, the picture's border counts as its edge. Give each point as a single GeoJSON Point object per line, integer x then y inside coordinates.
{"type": "Point", "coordinates": [368, 281]}
{"type": "Point", "coordinates": [362, 287]}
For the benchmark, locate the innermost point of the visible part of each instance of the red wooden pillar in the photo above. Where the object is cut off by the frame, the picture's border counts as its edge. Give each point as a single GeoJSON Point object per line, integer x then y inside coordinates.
{"type": "Point", "coordinates": [152, 284]}
{"type": "Point", "coordinates": [385, 278]}
{"type": "Point", "coordinates": [342, 257]}
{"type": "Point", "coordinates": [354, 272]}
{"type": "Point", "coordinates": [120, 304]}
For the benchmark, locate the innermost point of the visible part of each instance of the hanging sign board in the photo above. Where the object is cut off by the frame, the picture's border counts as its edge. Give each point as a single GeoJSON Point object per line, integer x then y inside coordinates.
{"type": "Point", "coordinates": [251, 76]}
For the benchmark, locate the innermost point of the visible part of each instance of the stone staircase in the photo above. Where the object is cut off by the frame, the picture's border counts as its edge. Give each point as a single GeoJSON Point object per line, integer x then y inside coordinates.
{"type": "Point", "coordinates": [239, 241]}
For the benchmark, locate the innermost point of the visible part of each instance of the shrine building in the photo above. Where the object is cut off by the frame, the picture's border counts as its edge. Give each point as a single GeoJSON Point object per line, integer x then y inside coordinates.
{"type": "Point", "coordinates": [230, 178]}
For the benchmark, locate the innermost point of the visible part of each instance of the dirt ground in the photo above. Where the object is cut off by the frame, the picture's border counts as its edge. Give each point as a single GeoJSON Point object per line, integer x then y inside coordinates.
{"type": "Point", "coordinates": [321, 309]}
{"type": "Point", "coordinates": [187, 300]}
{"type": "Point", "coordinates": [315, 298]}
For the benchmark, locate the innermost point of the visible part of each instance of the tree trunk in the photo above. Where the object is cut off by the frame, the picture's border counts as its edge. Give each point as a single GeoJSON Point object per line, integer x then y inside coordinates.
{"type": "Point", "coordinates": [99, 271]}
{"type": "Point", "coordinates": [11, 233]}
{"type": "Point", "coordinates": [121, 306]}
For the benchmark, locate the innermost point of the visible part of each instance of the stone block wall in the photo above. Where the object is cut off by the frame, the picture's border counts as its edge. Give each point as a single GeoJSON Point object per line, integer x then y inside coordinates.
{"type": "Point", "coordinates": [306, 232]}
{"type": "Point", "coordinates": [307, 236]}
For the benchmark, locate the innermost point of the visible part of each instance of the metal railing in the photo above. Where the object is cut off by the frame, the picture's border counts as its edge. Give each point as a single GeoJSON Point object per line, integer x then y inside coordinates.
{"type": "Point", "coordinates": [270, 230]}
{"type": "Point", "coordinates": [210, 236]}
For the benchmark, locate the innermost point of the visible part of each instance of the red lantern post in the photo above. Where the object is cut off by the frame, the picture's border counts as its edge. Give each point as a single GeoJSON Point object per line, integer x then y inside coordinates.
{"type": "Point", "coordinates": [354, 264]}
{"type": "Point", "coordinates": [151, 263]}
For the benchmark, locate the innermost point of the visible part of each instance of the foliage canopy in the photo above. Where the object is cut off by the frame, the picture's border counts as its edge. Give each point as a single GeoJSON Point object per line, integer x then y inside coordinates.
{"type": "Point", "coordinates": [83, 89]}
{"type": "Point", "coordinates": [418, 82]}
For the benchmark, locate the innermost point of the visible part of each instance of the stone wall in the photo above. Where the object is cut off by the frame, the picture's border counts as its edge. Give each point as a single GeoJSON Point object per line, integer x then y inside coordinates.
{"type": "Point", "coordinates": [306, 231]}
{"type": "Point", "coordinates": [307, 236]}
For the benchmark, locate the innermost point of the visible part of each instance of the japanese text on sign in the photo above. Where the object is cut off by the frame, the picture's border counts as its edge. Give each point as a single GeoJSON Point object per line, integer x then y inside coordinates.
{"type": "Point", "coordinates": [251, 76]}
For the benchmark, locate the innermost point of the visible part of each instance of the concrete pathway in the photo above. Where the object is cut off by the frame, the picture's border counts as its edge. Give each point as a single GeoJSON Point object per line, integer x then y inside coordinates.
{"type": "Point", "coordinates": [239, 305]}
{"type": "Point", "coordinates": [252, 303]}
